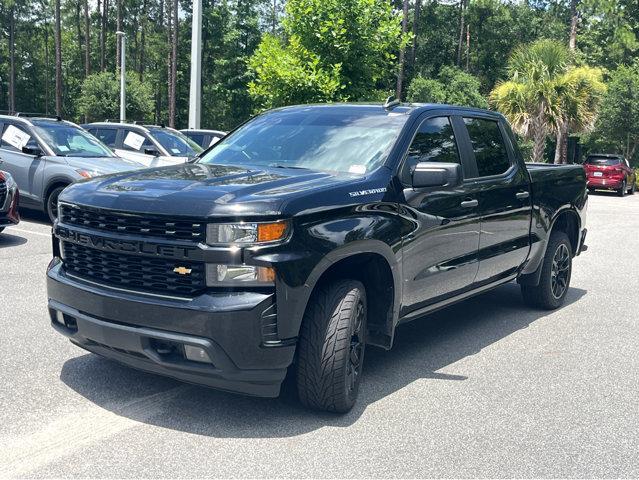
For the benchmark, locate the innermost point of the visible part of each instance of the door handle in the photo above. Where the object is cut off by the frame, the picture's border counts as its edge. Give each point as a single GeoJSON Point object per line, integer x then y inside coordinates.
{"type": "Point", "coordinates": [469, 203]}
{"type": "Point", "coordinates": [522, 195]}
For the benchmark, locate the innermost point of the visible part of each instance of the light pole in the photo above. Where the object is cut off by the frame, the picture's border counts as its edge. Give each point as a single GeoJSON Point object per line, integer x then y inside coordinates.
{"type": "Point", "coordinates": [195, 93]}
{"type": "Point", "coordinates": [122, 38]}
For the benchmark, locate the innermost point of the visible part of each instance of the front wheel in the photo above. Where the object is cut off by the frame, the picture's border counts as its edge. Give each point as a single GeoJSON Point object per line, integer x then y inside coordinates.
{"type": "Point", "coordinates": [556, 271]}
{"type": "Point", "coordinates": [331, 347]}
{"type": "Point", "coordinates": [52, 202]}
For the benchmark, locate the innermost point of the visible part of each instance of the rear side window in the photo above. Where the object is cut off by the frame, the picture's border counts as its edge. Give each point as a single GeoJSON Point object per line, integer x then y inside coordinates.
{"type": "Point", "coordinates": [105, 135]}
{"type": "Point", "coordinates": [602, 161]}
{"type": "Point", "coordinates": [488, 144]}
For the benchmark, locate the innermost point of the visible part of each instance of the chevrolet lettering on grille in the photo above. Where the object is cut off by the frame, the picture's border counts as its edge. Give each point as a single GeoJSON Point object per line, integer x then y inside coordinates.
{"type": "Point", "coordinates": [112, 245]}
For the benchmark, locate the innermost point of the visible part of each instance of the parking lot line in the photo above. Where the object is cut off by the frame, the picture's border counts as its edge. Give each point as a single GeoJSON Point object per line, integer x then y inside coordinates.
{"type": "Point", "coordinates": [22, 230]}
{"type": "Point", "coordinates": [76, 431]}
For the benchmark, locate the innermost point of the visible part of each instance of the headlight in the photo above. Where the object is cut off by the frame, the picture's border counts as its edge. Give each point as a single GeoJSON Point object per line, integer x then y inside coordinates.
{"type": "Point", "coordinates": [245, 234]}
{"type": "Point", "coordinates": [218, 275]}
{"type": "Point", "coordinates": [8, 179]}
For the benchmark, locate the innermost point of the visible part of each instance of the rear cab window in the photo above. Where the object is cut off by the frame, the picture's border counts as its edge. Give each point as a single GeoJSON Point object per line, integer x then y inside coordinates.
{"type": "Point", "coordinates": [488, 145]}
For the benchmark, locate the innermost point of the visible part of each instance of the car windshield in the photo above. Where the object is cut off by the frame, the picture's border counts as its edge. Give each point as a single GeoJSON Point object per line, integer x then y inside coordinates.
{"type": "Point", "coordinates": [176, 143]}
{"type": "Point", "coordinates": [602, 161]}
{"type": "Point", "coordinates": [343, 140]}
{"type": "Point", "coordinates": [71, 141]}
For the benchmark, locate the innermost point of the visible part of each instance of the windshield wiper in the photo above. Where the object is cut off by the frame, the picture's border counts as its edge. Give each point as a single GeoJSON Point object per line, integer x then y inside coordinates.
{"type": "Point", "coordinates": [289, 166]}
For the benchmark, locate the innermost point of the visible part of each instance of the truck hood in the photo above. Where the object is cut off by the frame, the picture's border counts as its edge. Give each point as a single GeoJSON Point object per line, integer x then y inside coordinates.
{"type": "Point", "coordinates": [103, 165]}
{"type": "Point", "coordinates": [199, 190]}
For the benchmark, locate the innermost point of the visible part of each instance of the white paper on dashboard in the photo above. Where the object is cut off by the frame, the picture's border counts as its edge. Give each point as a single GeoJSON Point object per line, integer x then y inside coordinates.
{"type": "Point", "coordinates": [15, 137]}
{"type": "Point", "coordinates": [134, 140]}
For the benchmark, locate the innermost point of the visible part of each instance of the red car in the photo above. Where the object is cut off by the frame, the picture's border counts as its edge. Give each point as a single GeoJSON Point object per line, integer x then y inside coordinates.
{"type": "Point", "coordinates": [610, 172]}
{"type": "Point", "coordinates": [8, 201]}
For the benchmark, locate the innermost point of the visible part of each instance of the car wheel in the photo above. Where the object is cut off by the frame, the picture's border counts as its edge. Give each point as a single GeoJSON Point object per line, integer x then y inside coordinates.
{"type": "Point", "coordinates": [622, 191]}
{"type": "Point", "coordinates": [52, 202]}
{"type": "Point", "coordinates": [556, 271]}
{"type": "Point", "coordinates": [331, 347]}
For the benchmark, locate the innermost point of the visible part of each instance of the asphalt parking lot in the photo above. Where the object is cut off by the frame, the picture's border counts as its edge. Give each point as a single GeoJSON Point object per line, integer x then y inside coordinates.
{"type": "Point", "coordinates": [487, 388]}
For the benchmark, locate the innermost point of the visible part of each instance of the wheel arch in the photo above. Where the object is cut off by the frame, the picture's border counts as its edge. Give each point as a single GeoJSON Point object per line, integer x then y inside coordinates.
{"type": "Point", "coordinates": [373, 263]}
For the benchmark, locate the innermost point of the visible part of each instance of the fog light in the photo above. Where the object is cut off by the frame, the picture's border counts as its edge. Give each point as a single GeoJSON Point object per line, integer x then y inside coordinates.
{"type": "Point", "coordinates": [59, 317]}
{"type": "Point", "coordinates": [196, 354]}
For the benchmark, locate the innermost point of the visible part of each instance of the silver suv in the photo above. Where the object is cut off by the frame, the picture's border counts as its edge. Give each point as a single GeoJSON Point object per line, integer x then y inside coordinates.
{"type": "Point", "coordinates": [151, 145]}
{"type": "Point", "coordinates": [44, 155]}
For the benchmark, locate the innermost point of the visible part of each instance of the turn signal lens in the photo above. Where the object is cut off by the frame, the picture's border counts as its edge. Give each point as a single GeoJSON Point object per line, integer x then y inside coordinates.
{"type": "Point", "coordinates": [269, 232]}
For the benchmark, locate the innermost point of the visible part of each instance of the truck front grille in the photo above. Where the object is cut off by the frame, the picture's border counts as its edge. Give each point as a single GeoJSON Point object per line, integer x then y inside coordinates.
{"type": "Point", "coordinates": [146, 225]}
{"type": "Point", "coordinates": [146, 274]}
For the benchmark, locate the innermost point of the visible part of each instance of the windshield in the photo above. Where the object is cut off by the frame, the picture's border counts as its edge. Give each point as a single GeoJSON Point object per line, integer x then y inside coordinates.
{"type": "Point", "coordinates": [176, 143]}
{"type": "Point", "coordinates": [70, 141]}
{"type": "Point", "coordinates": [343, 140]}
{"type": "Point", "coordinates": [602, 161]}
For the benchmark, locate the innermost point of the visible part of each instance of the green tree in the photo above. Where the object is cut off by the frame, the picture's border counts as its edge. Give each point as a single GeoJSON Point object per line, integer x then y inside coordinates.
{"type": "Point", "coordinates": [452, 86]}
{"type": "Point", "coordinates": [544, 91]}
{"type": "Point", "coordinates": [347, 48]}
{"type": "Point", "coordinates": [617, 128]}
{"type": "Point", "coordinates": [100, 97]}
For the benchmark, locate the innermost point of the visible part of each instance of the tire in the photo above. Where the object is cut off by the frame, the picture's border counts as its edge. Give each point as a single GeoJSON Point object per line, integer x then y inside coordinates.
{"type": "Point", "coordinates": [622, 191]}
{"type": "Point", "coordinates": [556, 271]}
{"type": "Point", "coordinates": [331, 347]}
{"type": "Point", "coordinates": [52, 202]}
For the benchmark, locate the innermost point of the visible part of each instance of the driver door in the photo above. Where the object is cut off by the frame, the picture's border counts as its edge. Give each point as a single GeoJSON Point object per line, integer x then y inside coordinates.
{"type": "Point", "coordinates": [441, 252]}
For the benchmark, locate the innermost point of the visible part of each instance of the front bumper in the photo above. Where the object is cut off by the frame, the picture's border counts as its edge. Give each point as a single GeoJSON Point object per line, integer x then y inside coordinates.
{"type": "Point", "coordinates": [9, 208]}
{"type": "Point", "coordinates": [135, 329]}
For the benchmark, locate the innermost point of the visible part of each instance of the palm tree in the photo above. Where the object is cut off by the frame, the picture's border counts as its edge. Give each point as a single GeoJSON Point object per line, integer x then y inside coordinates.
{"type": "Point", "coordinates": [544, 91]}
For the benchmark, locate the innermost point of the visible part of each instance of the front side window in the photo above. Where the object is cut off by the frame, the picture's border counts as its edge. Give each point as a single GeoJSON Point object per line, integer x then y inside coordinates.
{"type": "Point", "coordinates": [70, 141]}
{"type": "Point", "coordinates": [488, 145]}
{"type": "Point", "coordinates": [349, 140]}
{"type": "Point", "coordinates": [136, 141]}
{"type": "Point", "coordinates": [14, 137]}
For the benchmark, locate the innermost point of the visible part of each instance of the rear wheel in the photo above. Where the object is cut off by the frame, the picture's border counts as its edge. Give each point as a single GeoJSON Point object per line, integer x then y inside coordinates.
{"type": "Point", "coordinates": [52, 202]}
{"type": "Point", "coordinates": [331, 347]}
{"type": "Point", "coordinates": [624, 188]}
{"type": "Point", "coordinates": [556, 271]}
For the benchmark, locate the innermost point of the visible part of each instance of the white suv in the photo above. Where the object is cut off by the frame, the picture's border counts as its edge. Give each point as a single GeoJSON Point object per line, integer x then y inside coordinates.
{"type": "Point", "coordinates": [151, 145]}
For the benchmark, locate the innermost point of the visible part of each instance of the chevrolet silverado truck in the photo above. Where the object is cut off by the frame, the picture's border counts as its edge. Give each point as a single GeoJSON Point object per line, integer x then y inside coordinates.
{"type": "Point", "coordinates": [305, 235]}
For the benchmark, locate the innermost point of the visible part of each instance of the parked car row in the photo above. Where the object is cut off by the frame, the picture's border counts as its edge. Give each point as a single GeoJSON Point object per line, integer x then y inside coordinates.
{"type": "Point", "coordinates": [45, 155]}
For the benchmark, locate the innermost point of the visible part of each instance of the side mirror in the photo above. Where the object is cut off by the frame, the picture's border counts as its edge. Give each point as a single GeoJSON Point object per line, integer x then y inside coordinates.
{"type": "Point", "coordinates": [435, 174]}
{"type": "Point", "coordinates": [32, 150]}
{"type": "Point", "coordinates": [152, 151]}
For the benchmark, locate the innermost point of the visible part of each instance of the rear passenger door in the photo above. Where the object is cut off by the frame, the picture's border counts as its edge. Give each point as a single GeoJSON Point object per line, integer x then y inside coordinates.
{"type": "Point", "coordinates": [503, 192]}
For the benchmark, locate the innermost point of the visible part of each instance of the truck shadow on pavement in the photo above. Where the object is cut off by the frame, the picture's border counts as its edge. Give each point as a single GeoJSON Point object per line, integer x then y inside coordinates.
{"type": "Point", "coordinates": [421, 349]}
{"type": "Point", "coordinates": [9, 240]}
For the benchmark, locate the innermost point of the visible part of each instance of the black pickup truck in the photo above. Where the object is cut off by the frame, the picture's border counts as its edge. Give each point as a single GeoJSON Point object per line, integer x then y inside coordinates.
{"type": "Point", "coordinates": [305, 235]}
